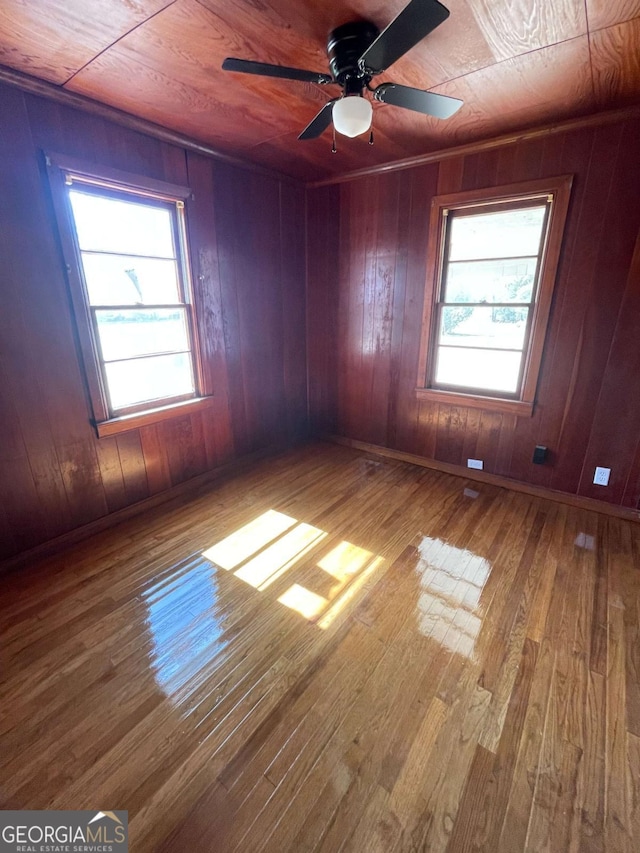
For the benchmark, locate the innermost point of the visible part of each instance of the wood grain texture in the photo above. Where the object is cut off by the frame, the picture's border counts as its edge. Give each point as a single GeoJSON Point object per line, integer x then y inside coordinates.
{"type": "Point", "coordinates": [591, 504]}
{"type": "Point", "coordinates": [615, 63]}
{"type": "Point", "coordinates": [516, 93]}
{"type": "Point", "coordinates": [602, 14]}
{"type": "Point", "coordinates": [322, 302]}
{"type": "Point", "coordinates": [615, 410]}
{"type": "Point", "coordinates": [247, 245]}
{"type": "Point", "coordinates": [586, 361]}
{"type": "Point", "coordinates": [512, 29]}
{"type": "Point", "coordinates": [514, 65]}
{"type": "Point", "coordinates": [443, 696]}
{"type": "Point", "coordinates": [54, 39]}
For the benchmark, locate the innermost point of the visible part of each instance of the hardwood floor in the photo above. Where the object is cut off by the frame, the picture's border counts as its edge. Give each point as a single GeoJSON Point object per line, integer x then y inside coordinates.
{"type": "Point", "coordinates": [334, 652]}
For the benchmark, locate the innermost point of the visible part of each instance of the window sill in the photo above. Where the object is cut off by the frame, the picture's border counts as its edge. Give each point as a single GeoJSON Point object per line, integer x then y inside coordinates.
{"type": "Point", "coordinates": [114, 426]}
{"type": "Point", "coordinates": [520, 408]}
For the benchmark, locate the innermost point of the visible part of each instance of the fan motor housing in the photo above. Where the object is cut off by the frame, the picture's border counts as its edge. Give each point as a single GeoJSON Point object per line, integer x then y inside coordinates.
{"type": "Point", "coordinates": [346, 45]}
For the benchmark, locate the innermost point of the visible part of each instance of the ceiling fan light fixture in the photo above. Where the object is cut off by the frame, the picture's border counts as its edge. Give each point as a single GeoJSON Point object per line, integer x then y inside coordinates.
{"type": "Point", "coordinates": [357, 52]}
{"type": "Point", "coordinates": [352, 115]}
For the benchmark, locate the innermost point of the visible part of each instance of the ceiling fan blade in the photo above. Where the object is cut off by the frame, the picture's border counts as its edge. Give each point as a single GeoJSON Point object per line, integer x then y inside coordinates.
{"type": "Point", "coordinates": [429, 103]}
{"type": "Point", "coordinates": [247, 66]}
{"type": "Point", "coordinates": [320, 123]}
{"type": "Point", "coordinates": [415, 21]}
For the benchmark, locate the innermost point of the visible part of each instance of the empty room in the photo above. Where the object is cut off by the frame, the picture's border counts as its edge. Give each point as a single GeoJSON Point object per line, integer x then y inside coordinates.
{"type": "Point", "coordinates": [320, 426]}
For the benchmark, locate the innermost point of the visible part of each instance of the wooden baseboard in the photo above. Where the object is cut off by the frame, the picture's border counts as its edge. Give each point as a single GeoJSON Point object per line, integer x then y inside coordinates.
{"type": "Point", "coordinates": [494, 479]}
{"type": "Point", "coordinates": [60, 543]}
{"type": "Point", "coordinates": [105, 522]}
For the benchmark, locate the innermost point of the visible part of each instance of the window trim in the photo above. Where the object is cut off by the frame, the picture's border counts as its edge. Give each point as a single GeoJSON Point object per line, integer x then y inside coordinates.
{"type": "Point", "coordinates": [558, 190]}
{"type": "Point", "coordinates": [60, 168]}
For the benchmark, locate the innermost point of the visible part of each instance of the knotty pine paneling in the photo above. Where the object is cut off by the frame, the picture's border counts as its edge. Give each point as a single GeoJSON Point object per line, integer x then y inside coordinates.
{"type": "Point", "coordinates": [247, 242]}
{"type": "Point", "coordinates": [588, 402]}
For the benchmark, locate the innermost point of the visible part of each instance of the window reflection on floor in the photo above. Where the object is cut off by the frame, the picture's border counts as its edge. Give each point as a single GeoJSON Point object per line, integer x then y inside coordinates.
{"type": "Point", "coordinates": [452, 581]}
{"type": "Point", "coordinates": [185, 631]}
{"type": "Point", "coordinates": [280, 556]}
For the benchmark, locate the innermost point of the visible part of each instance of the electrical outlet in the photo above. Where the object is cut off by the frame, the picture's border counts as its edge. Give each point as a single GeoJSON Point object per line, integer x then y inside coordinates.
{"type": "Point", "coordinates": [539, 454]}
{"type": "Point", "coordinates": [601, 476]}
{"type": "Point", "coordinates": [475, 463]}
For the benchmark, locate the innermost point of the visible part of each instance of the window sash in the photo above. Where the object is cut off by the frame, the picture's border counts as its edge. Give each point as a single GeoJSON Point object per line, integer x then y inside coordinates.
{"type": "Point", "coordinates": [557, 191]}
{"type": "Point", "coordinates": [65, 174]}
{"type": "Point", "coordinates": [436, 345]}
{"type": "Point", "coordinates": [151, 401]}
{"type": "Point", "coordinates": [174, 210]}
{"type": "Point", "coordinates": [180, 306]}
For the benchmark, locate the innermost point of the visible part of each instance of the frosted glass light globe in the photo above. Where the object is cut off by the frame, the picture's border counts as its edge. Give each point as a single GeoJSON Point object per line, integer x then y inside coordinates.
{"type": "Point", "coordinates": [352, 115]}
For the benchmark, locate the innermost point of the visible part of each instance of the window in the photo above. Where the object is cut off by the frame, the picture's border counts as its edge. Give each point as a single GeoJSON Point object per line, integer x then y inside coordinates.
{"type": "Point", "coordinates": [489, 293]}
{"type": "Point", "coordinates": [125, 247]}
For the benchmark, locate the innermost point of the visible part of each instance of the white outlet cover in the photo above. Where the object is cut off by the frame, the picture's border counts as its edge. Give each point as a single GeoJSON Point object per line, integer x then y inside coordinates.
{"type": "Point", "coordinates": [475, 463]}
{"type": "Point", "coordinates": [601, 476]}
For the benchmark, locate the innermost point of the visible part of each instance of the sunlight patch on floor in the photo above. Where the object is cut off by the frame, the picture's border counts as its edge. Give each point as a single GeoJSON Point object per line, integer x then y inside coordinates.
{"type": "Point", "coordinates": [261, 552]}
{"type": "Point", "coordinates": [242, 543]}
{"type": "Point", "coordinates": [305, 602]}
{"type": "Point", "coordinates": [344, 561]}
{"type": "Point", "coordinates": [275, 560]}
{"type": "Point", "coordinates": [350, 593]}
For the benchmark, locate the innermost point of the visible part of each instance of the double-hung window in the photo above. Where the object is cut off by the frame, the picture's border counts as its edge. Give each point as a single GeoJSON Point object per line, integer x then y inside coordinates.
{"type": "Point", "coordinates": [493, 269]}
{"type": "Point", "coordinates": [126, 252]}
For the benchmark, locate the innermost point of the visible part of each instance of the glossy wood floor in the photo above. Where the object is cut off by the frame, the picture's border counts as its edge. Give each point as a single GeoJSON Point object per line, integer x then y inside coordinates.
{"type": "Point", "coordinates": [334, 652]}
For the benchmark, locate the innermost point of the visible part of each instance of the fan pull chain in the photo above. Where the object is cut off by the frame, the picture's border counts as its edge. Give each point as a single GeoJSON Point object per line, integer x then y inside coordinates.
{"type": "Point", "coordinates": [371, 138]}
{"type": "Point", "coordinates": [333, 147]}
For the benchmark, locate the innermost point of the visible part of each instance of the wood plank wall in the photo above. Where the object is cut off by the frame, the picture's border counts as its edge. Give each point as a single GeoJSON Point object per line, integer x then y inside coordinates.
{"type": "Point", "coordinates": [367, 250]}
{"type": "Point", "coordinates": [247, 241]}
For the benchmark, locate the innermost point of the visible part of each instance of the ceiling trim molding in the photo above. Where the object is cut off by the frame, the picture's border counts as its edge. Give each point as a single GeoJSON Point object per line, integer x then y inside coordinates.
{"type": "Point", "coordinates": [44, 89]}
{"type": "Point", "coordinates": [591, 120]}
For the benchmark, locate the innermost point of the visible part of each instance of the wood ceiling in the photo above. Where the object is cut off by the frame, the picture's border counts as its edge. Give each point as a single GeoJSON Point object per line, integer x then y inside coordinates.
{"type": "Point", "coordinates": [515, 63]}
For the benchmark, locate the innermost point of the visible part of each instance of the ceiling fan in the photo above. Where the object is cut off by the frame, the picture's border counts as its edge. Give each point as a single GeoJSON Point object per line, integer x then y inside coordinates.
{"type": "Point", "coordinates": [358, 52]}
